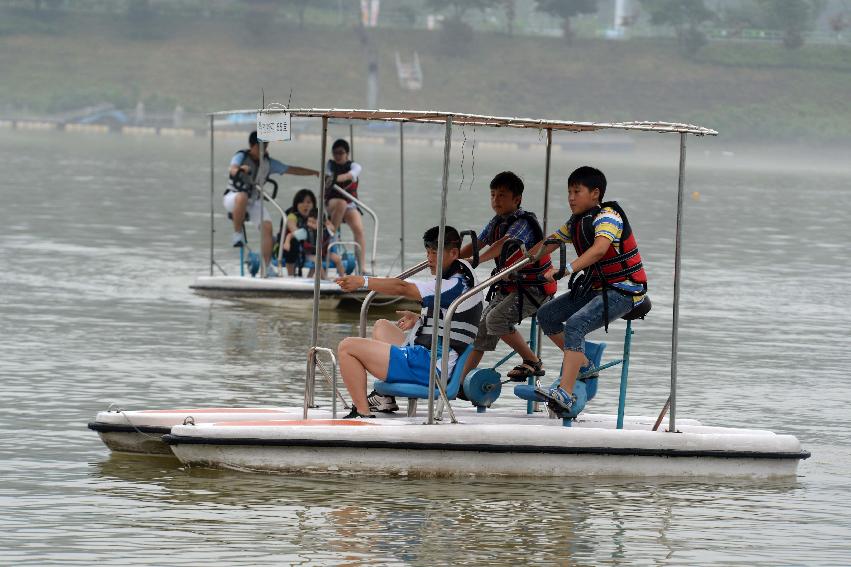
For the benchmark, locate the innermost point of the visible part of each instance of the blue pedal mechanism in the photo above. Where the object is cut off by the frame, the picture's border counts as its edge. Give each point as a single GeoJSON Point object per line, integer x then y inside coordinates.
{"type": "Point", "coordinates": [482, 387]}
{"type": "Point", "coordinates": [581, 393]}
{"type": "Point", "coordinates": [534, 394]}
{"type": "Point", "coordinates": [253, 263]}
{"type": "Point", "coordinates": [590, 386]}
{"type": "Point", "coordinates": [349, 262]}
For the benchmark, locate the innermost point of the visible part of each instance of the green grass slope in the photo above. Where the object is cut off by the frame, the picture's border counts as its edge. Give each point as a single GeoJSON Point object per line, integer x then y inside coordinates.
{"type": "Point", "coordinates": [745, 91]}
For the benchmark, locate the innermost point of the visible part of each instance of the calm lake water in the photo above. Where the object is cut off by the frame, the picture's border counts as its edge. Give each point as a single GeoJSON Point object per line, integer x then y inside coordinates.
{"type": "Point", "coordinates": [102, 235]}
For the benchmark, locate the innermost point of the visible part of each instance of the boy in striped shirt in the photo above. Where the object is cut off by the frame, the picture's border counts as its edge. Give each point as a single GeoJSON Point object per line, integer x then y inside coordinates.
{"type": "Point", "coordinates": [613, 282]}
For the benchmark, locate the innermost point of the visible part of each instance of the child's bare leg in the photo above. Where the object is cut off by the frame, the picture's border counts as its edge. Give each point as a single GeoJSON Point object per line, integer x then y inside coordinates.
{"type": "Point", "coordinates": [472, 362]}
{"type": "Point", "coordinates": [358, 356]}
{"type": "Point", "coordinates": [338, 264]}
{"type": "Point", "coordinates": [240, 204]}
{"type": "Point", "coordinates": [572, 362]}
{"type": "Point", "coordinates": [353, 219]}
{"type": "Point", "coordinates": [558, 340]}
{"type": "Point", "coordinates": [516, 341]}
{"type": "Point", "coordinates": [388, 332]}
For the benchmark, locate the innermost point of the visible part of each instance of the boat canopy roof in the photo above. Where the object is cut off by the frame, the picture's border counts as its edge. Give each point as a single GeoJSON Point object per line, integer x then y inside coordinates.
{"type": "Point", "coordinates": [440, 117]}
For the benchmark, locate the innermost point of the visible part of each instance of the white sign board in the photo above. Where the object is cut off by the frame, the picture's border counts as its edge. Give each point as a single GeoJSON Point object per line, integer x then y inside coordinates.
{"type": "Point", "coordinates": [273, 127]}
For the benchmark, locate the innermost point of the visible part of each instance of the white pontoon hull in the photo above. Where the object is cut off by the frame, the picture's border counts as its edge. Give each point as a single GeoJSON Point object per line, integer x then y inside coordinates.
{"type": "Point", "coordinates": [141, 431]}
{"type": "Point", "coordinates": [503, 443]}
{"type": "Point", "coordinates": [272, 289]}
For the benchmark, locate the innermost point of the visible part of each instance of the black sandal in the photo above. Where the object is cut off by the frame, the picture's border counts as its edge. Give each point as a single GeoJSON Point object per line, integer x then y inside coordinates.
{"type": "Point", "coordinates": [523, 371]}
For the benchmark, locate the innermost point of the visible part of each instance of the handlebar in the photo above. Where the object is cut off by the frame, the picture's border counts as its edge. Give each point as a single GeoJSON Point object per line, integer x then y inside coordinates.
{"type": "Point", "coordinates": [364, 308]}
{"type": "Point", "coordinates": [562, 265]}
{"type": "Point", "coordinates": [475, 242]}
{"type": "Point", "coordinates": [274, 187]}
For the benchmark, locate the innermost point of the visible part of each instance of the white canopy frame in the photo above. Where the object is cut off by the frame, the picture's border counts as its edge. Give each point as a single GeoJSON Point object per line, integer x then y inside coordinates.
{"type": "Point", "coordinates": [479, 120]}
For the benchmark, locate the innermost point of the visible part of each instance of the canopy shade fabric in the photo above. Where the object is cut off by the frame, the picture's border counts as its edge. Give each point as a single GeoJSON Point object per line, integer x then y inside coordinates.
{"type": "Point", "coordinates": [439, 117]}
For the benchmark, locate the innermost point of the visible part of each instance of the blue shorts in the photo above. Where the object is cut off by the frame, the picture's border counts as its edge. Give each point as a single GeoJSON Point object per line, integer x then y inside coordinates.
{"type": "Point", "coordinates": [409, 365]}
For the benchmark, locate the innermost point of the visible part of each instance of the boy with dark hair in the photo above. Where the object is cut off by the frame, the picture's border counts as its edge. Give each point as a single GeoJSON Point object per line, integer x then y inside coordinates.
{"type": "Point", "coordinates": [392, 356]}
{"type": "Point", "coordinates": [520, 297]}
{"type": "Point", "coordinates": [613, 284]}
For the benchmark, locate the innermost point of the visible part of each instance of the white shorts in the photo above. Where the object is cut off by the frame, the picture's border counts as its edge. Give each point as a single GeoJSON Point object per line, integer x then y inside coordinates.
{"type": "Point", "coordinates": [349, 204]}
{"type": "Point", "coordinates": [252, 211]}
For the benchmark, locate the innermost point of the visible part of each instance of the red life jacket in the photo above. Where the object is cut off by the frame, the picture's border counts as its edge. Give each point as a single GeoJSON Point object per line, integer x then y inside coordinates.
{"type": "Point", "coordinates": [533, 274]}
{"type": "Point", "coordinates": [614, 266]}
{"type": "Point", "coordinates": [351, 186]}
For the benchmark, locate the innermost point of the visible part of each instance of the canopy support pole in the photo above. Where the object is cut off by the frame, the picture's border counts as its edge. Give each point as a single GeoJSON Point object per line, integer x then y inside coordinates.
{"type": "Point", "coordinates": [532, 407]}
{"type": "Point", "coordinates": [320, 236]}
{"type": "Point", "coordinates": [402, 195]}
{"type": "Point", "coordinates": [212, 193]}
{"type": "Point", "coordinates": [447, 143]}
{"type": "Point", "coordinates": [672, 425]}
{"type": "Point", "coordinates": [544, 220]}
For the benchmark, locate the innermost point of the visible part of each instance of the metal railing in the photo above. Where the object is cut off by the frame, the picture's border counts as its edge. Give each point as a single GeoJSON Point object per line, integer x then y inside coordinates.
{"type": "Point", "coordinates": [269, 199]}
{"type": "Point", "coordinates": [310, 381]}
{"type": "Point", "coordinates": [364, 308]}
{"type": "Point", "coordinates": [450, 312]}
{"type": "Point", "coordinates": [447, 331]}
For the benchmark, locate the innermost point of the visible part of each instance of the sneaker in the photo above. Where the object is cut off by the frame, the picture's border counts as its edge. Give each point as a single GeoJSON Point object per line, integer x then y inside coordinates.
{"type": "Point", "coordinates": [271, 271]}
{"type": "Point", "coordinates": [354, 414]}
{"type": "Point", "coordinates": [237, 240]}
{"type": "Point", "coordinates": [562, 398]}
{"type": "Point", "coordinates": [384, 404]}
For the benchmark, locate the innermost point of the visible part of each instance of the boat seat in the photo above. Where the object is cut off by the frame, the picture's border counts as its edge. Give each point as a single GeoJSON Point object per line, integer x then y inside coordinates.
{"type": "Point", "coordinates": [639, 312]}
{"type": "Point", "coordinates": [416, 392]}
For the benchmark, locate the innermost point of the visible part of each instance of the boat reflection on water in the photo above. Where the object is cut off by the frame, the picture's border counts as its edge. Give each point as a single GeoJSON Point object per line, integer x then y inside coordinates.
{"type": "Point", "coordinates": [395, 519]}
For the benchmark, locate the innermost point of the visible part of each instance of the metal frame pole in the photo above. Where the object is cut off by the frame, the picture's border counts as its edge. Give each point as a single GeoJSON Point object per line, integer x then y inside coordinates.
{"type": "Point", "coordinates": [545, 218]}
{"type": "Point", "coordinates": [532, 407]}
{"type": "Point", "coordinates": [351, 141]}
{"type": "Point", "coordinates": [547, 179]}
{"type": "Point", "coordinates": [402, 195]}
{"type": "Point", "coordinates": [672, 424]}
{"type": "Point", "coordinates": [261, 153]}
{"type": "Point", "coordinates": [447, 143]}
{"type": "Point", "coordinates": [212, 193]}
{"type": "Point", "coordinates": [320, 237]}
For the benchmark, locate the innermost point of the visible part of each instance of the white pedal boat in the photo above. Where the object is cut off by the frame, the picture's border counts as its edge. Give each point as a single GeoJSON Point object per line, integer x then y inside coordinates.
{"type": "Point", "coordinates": [509, 443]}
{"type": "Point", "coordinates": [266, 290]}
{"type": "Point", "coordinates": [496, 441]}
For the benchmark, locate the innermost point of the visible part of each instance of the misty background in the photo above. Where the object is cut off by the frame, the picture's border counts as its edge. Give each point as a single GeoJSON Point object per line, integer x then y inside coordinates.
{"type": "Point", "coordinates": [755, 70]}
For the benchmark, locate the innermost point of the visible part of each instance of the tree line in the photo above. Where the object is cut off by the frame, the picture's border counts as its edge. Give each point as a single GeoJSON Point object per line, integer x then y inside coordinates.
{"type": "Point", "coordinates": [688, 19]}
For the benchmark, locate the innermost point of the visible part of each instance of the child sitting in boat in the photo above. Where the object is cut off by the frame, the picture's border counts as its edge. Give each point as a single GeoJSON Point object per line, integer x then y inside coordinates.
{"type": "Point", "coordinates": [301, 230]}
{"type": "Point", "coordinates": [247, 170]}
{"type": "Point", "coordinates": [509, 302]}
{"type": "Point", "coordinates": [344, 173]}
{"type": "Point", "coordinates": [613, 283]}
{"type": "Point", "coordinates": [392, 356]}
